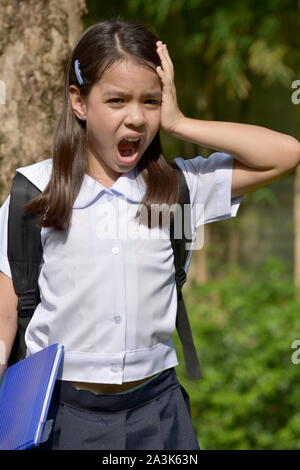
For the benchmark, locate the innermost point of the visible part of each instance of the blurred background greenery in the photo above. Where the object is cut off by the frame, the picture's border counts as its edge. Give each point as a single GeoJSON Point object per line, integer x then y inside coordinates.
{"type": "Point", "coordinates": [243, 327]}
{"type": "Point", "coordinates": [236, 61]}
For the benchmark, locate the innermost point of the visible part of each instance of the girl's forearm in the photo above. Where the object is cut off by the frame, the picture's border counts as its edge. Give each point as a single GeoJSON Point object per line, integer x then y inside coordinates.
{"type": "Point", "coordinates": [8, 331]}
{"type": "Point", "coordinates": [254, 146]}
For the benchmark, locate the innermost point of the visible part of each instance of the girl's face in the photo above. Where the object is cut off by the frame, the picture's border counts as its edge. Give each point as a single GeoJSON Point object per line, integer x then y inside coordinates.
{"type": "Point", "coordinates": [125, 103]}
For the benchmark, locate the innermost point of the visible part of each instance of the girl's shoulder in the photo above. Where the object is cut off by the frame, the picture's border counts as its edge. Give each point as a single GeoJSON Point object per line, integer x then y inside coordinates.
{"type": "Point", "coordinates": [38, 173]}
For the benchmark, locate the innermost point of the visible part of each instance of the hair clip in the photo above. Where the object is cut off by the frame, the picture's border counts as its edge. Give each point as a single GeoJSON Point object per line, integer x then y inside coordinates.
{"type": "Point", "coordinates": [80, 80]}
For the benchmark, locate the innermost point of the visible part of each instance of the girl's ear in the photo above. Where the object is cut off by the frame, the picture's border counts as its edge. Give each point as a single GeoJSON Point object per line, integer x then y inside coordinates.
{"type": "Point", "coordinates": [77, 102]}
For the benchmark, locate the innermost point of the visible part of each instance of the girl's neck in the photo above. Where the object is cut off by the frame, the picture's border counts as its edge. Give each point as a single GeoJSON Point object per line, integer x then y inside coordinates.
{"type": "Point", "coordinates": [101, 172]}
{"type": "Point", "coordinates": [104, 180]}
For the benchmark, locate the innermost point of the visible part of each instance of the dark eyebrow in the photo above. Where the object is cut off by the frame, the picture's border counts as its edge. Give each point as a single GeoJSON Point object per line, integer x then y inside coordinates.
{"type": "Point", "coordinates": [150, 94]}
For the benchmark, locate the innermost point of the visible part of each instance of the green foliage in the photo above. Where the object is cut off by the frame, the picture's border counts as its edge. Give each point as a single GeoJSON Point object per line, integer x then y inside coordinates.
{"type": "Point", "coordinates": [244, 327]}
{"type": "Point", "coordinates": [237, 40]}
{"type": "Point", "coordinates": [265, 195]}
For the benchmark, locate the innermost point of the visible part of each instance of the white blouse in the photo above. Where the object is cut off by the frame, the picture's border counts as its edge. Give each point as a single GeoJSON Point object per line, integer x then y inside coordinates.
{"type": "Point", "coordinates": [108, 294]}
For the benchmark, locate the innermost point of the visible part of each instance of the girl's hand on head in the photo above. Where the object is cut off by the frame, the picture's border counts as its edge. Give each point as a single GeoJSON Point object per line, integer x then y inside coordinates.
{"type": "Point", "coordinates": [170, 113]}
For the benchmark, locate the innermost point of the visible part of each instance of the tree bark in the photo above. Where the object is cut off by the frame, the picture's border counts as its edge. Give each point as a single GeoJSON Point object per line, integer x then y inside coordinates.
{"type": "Point", "coordinates": [297, 233]}
{"type": "Point", "coordinates": [198, 270]}
{"type": "Point", "coordinates": [297, 211]}
{"type": "Point", "coordinates": [234, 246]}
{"type": "Point", "coordinates": [36, 37]}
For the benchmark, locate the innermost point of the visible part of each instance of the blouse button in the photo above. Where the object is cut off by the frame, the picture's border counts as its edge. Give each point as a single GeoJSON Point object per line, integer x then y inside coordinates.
{"type": "Point", "coordinates": [109, 197]}
{"type": "Point", "coordinates": [115, 250]}
{"type": "Point", "coordinates": [117, 319]}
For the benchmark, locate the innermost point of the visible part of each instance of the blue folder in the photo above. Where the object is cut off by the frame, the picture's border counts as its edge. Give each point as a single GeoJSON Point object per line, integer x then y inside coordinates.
{"type": "Point", "coordinates": [26, 389]}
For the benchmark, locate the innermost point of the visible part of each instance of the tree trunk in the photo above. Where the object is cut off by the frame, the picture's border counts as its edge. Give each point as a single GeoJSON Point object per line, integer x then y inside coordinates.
{"type": "Point", "coordinates": [297, 211]}
{"type": "Point", "coordinates": [234, 246]}
{"type": "Point", "coordinates": [297, 233]}
{"type": "Point", "coordinates": [198, 271]}
{"type": "Point", "coordinates": [36, 37]}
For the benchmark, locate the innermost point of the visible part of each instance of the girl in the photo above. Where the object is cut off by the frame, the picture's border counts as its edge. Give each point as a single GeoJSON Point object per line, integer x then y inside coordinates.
{"type": "Point", "coordinates": [111, 299]}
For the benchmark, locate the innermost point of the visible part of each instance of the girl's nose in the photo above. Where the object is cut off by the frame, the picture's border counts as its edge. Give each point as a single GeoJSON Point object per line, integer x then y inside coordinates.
{"type": "Point", "coordinates": [135, 116]}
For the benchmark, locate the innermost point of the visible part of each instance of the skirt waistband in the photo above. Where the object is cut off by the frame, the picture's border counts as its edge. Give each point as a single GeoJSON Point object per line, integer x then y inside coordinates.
{"type": "Point", "coordinates": [66, 393]}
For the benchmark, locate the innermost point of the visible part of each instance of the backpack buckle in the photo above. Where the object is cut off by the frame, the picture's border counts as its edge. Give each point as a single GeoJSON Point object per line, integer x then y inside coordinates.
{"type": "Point", "coordinates": [180, 277]}
{"type": "Point", "coordinates": [27, 304]}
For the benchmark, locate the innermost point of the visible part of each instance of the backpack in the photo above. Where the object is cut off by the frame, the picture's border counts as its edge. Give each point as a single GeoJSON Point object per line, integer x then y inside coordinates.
{"type": "Point", "coordinates": [25, 252]}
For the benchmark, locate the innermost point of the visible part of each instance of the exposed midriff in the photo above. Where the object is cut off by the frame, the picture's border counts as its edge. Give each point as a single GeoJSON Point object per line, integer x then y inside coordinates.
{"type": "Point", "coordinates": [108, 388]}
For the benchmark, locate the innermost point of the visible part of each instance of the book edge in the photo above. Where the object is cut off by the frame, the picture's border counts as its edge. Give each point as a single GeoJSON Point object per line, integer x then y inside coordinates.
{"type": "Point", "coordinates": [55, 367]}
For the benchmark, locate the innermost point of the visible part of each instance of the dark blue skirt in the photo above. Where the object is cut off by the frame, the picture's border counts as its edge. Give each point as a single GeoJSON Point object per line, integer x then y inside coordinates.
{"type": "Point", "coordinates": [156, 416]}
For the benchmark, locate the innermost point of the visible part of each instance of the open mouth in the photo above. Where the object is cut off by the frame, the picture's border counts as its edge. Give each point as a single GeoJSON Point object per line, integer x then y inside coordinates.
{"type": "Point", "coordinates": [128, 150]}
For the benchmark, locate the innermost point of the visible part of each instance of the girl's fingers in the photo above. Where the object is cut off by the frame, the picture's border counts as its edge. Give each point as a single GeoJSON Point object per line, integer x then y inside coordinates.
{"type": "Point", "coordinates": [167, 65]}
{"type": "Point", "coordinates": [161, 55]}
{"type": "Point", "coordinates": [166, 53]}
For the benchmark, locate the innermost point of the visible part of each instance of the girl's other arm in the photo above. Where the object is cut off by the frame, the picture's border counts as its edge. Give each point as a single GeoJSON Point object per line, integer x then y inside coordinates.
{"type": "Point", "coordinates": [8, 318]}
{"type": "Point", "coordinates": [261, 155]}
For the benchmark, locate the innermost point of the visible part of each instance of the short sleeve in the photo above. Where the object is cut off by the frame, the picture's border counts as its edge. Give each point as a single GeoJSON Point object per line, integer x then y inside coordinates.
{"type": "Point", "coordinates": [4, 263]}
{"type": "Point", "coordinates": [209, 182]}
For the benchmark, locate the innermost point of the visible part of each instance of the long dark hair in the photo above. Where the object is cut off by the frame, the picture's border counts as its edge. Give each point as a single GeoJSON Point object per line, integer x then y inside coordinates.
{"type": "Point", "coordinates": [98, 48]}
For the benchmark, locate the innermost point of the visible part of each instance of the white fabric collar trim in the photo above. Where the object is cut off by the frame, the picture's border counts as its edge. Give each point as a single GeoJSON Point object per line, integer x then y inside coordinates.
{"type": "Point", "coordinates": [128, 185]}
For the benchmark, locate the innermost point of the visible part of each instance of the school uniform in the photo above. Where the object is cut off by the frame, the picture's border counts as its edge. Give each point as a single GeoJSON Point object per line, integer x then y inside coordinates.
{"type": "Point", "coordinates": [108, 294]}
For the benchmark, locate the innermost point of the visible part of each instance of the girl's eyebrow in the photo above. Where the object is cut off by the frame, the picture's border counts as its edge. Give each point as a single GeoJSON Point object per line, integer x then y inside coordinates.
{"type": "Point", "coordinates": [150, 94]}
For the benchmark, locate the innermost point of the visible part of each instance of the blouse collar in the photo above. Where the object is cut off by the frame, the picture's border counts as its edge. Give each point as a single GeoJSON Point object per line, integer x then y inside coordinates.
{"type": "Point", "coordinates": [129, 185]}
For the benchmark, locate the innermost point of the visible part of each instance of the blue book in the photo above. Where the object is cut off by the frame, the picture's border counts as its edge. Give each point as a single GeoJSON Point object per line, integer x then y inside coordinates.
{"type": "Point", "coordinates": [26, 390]}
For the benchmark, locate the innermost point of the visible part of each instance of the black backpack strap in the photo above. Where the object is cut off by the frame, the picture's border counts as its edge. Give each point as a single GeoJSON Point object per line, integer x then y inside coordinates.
{"type": "Point", "coordinates": [181, 253]}
{"type": "Point", "coordinates": [24, 251]}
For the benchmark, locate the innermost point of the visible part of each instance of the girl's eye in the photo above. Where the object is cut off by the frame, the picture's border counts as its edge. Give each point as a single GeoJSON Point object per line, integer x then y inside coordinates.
{"type": "Point", "coordinates": [153, 102]}
{"type": "Point", "coordinates": [114, 100]}
{"type": "Point", "coordinates": [118, 100]}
